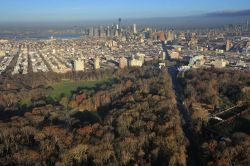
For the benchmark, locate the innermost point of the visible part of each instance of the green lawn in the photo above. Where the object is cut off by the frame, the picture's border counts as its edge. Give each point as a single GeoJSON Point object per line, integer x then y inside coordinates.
{"type": "Point", "coordinates": [67, 86]}
{"type": "Point", "coordinates": [25, 101]}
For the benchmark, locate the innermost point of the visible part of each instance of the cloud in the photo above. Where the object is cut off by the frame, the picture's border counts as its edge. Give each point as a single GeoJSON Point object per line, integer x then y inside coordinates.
{"type": "Point", "coordinates": [233, 13]}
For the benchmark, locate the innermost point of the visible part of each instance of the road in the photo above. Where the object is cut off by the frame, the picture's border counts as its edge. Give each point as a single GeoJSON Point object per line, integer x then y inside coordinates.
{"type": "Point", "coordinates": [192, 149]}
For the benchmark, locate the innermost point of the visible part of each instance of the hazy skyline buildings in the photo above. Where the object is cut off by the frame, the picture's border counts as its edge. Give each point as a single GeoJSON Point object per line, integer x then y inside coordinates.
{"type": "Point", "coordinates": [95, 13]}
{"type": "Point", "coordinates": [134, 29]}
{"type": "Point", "coordinates": [247, 25]}
{"type": "Point", "coordinates": [65, 10]}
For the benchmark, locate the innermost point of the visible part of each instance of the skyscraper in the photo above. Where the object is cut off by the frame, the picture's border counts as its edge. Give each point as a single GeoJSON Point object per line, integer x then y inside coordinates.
{"type": "Point", "coordinates": [96, 32]}
{"type": "Point", "coordinates": [102, 32]}
{"type": "Point", "coordinates": [134, 29]}
{"type": "Point", "coordinates": [97, 63]}
{"type": "Point", "coordinates": [119, 26]}
{"type": "Point", "coordinates": [162, 36]}
{"type": "Point", "coordinates": [112, 31]}
{"type": "Point", "coordinates": [170, 35]}
{"type": "Point", "coordinates": [119, 20]}
{"type": "Point", "coordinates": [91, 32]}
{"type": "Point", "coordinates": [247, 25]}
{"type": "Point", "coordinates": [229, 45]}
{"type": "Point", "coordinates": [108, 32]}
{"type": "Point", "coordinates": [78, 65]}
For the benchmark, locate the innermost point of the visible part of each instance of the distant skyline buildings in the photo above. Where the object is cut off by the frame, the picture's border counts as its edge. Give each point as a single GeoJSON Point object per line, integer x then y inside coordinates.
{"type": "Point", "coordinates": [78, 10]}
{"type": "Point", "coordinates": [134, 29]}
{"type": "Point", "coordinates": [247, 26]}
{"type": "Point", "coordinates": [95, 13]}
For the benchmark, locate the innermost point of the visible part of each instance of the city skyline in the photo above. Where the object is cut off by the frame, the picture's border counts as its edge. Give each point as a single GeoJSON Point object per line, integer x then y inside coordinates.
{"type": "Point", "coordinates": [51, 11]}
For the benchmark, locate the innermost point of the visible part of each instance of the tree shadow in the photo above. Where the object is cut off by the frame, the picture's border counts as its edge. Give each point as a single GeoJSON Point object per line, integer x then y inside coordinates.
{"type": "Point", "coordinates": [19, 110]}
{"type": "Point", "coordinates": [88, 117]}
{"type": "Point", "coordinates": [99, 86]}
{"type": "Point", "coordinates": [7, 113]}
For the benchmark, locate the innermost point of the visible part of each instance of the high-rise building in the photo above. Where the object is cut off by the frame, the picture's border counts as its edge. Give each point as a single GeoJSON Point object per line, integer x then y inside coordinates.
{"type": "Point", "coordinates": [141, 57]}
{"type": "Point", "coordinates": [102, 32]}
{"type": "Point", "coordinates": [134, 29]}
{"type": "Point", "coordinates": [112, 31]}
{"type": "Point", "coordinates": [97, 63]}
{"type": "Point", "coordinates": [119, 20]}
{"type": "Point", "coordinates": [2, 53]}
{"type": "Point", "coordinates": [119, 26]}
{"type": "Point", "coordinates": [78, 65]}
{"type": "Point", "coordinates": [96, 32]}
{"type": "Point", "coordinates": [162, 36]}
{"type": "Point", "coordinates": [123, 62]}
{"type": "Point", "coordinates": [91, 32]}
{"type": "Point", "coordinates": [116, 33]}
{"type": "Point", "coordinates": [193, 42]}
{"type": "Point", "coordinates": [220, 63]}
{"type": "Point", "coordinates": [170, 35]}
{"type": "Point", "coordinates": [174, 55]}
{"type": "Point", "coordinates": [108, 32]}
{"type": "Point", "coordinates": [229, 45]}
{"type": "Point", "coordinates": [136, 61]}
{"type": "Point", "coordinates": [247, 25]}
{"type": "Point", "coordinates": [162, 55]}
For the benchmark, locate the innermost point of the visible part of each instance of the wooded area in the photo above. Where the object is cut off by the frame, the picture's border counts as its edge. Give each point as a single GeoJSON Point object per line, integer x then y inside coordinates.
{"type": "Point", "coordinates": [209, 91]}
{"type": "Point", "coordinates": [131, 121]}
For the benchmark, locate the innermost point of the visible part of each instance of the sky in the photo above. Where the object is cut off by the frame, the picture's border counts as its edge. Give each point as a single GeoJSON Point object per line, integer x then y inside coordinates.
{"type": "Point", "coordinates": [76, 10]}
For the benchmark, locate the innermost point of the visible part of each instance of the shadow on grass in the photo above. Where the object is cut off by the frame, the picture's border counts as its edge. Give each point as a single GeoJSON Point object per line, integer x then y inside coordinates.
{"type": "Point", "coordinates": [19, 110]}
{"type": "Point", "coordinates": [7, 113]}
{"type": "Point", "coordinates": [99, 86]}
{"type": "Point", "coordinates": [85, 117]}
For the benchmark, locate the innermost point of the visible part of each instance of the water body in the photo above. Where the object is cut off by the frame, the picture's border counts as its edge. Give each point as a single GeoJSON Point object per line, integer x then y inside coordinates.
{"type": "Point", "coordinates": [67, 36]}
{"type": "Point", "coordinates": [40, 36]}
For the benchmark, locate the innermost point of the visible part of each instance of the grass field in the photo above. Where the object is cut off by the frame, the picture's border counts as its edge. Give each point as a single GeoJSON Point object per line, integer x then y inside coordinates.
{"type": "Point", "coordinates": [66, 87]}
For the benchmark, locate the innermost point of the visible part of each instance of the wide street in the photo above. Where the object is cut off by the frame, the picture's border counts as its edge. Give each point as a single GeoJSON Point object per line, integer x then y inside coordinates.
{"type": "Point", "coordinates": [192, 149]}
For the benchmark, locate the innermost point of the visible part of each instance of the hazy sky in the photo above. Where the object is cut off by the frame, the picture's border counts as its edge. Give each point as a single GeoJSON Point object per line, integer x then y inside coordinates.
{"type": "Point", "coordinates": [73, 10]}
